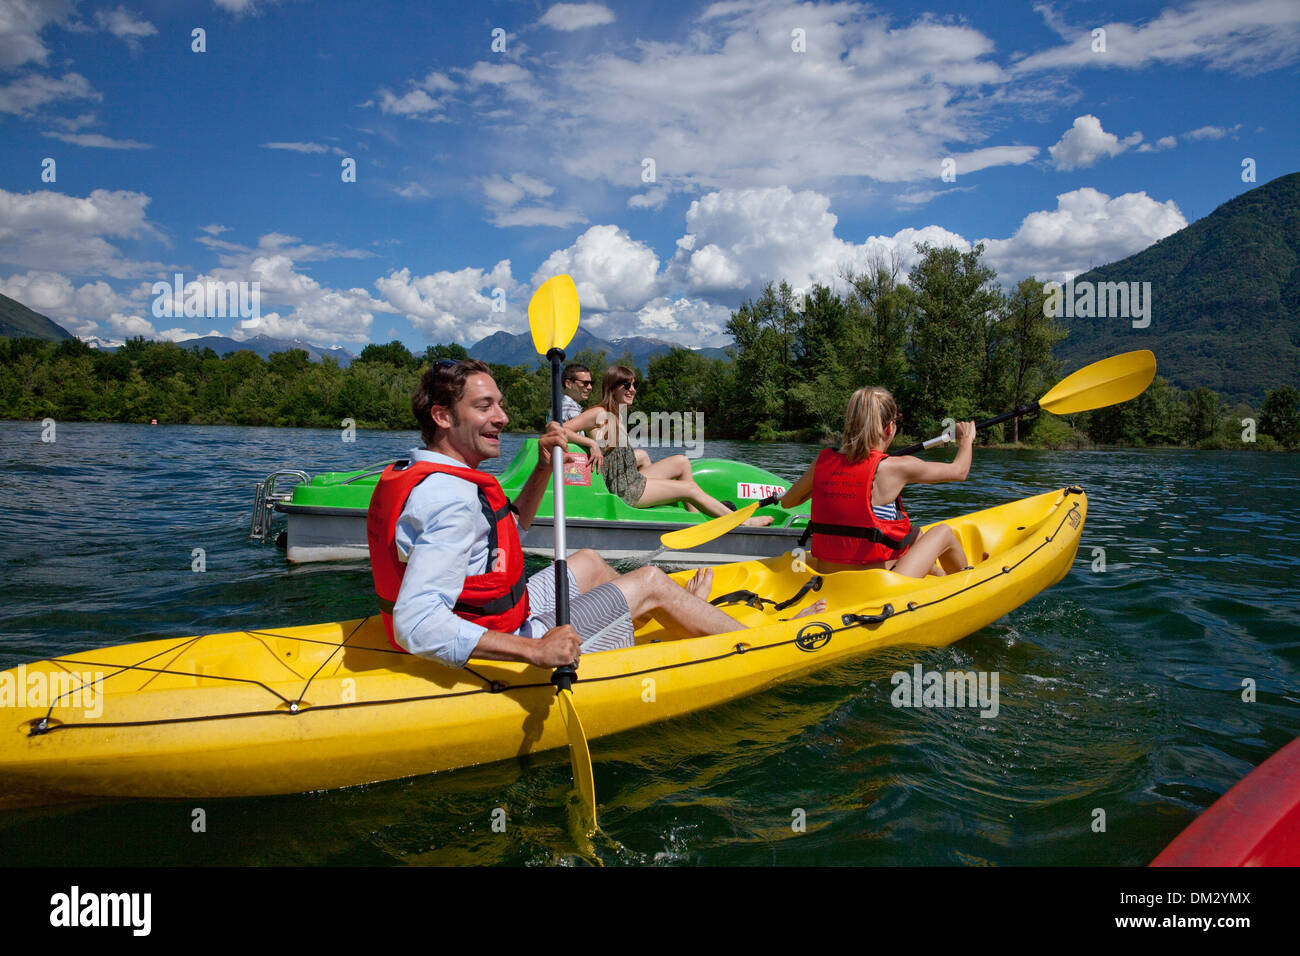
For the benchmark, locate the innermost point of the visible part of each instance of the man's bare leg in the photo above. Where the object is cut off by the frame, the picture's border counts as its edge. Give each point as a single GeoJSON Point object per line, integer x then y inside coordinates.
{"type": "Point", "coordinates": [589, 570]}
{"type": "Point", "coordinates": [649, 590]}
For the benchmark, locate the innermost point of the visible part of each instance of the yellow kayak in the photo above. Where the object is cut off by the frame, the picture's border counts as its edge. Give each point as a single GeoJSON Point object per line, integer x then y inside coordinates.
{"type": "Point", "coordinates": [294, 709]}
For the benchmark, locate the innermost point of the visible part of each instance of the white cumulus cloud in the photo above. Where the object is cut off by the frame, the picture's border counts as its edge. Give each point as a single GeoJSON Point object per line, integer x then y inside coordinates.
{"type": "Point", "coordinates": [49, 230]}
{"type": "Point", "coordinates": [319, 313]}
{"type": "Point", "coordinates": [124, 24]}
{"type": "Point", "coordinates": [650, 199]}
{"type": "Point", "coordinates": [612, 270]}
{"type": "Point", "coordinates": [1086, 142]}
{"type": "Point", "coordinates": [738, 240]}
{"type": "Point", "coordinates": [507, 192]}
{"type": "Point", "coordinates": [576, 16]}
{"type": "Point", "coordinates": [1212, 132]}
{"type": "Point", "coordinates": [25, 94]}
{"type": "Point", "coordinates": [237, 7]}
{"type": "Point", "coordinates": [456, 306]}
{"type": "Point", "coordinates": [130, 325]}
{"type": "Point", "coordinates": [77, 308]}
{"type": "Point", "coordinates": [21, 24]}
{"type": "Point", "coordinates": [412, 103]}
{"type": "Point", "coordinates": [692, 321]}
{"type": "Point", "coordinates": [1087, 228]}
{"type": "Point", "coordinates": [504, 195]}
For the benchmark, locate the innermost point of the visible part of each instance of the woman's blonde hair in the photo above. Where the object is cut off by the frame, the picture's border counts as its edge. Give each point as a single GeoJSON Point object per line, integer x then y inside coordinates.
{"type": "Point", "coordinates": [870, 411]}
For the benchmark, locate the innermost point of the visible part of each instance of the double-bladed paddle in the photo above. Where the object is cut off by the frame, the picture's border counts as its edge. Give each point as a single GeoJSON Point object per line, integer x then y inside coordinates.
{"type": "Point", "coordinates": [1108, 382]}
{"type": "Point", "coordinates": [553, 319]}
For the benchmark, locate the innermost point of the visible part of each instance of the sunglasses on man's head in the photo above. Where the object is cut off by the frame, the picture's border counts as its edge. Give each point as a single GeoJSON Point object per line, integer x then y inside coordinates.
{"type": "Point", "coordinates": [446, 363]}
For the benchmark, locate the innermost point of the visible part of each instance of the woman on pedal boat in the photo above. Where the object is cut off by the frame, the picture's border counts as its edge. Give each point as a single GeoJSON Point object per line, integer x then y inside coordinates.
{"type": "Point", "coordinates": [628, 472]}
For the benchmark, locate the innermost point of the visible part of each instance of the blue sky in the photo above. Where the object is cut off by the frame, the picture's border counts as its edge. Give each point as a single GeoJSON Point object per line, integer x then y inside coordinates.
{"type": "Point", "coordinates": [496, 147]}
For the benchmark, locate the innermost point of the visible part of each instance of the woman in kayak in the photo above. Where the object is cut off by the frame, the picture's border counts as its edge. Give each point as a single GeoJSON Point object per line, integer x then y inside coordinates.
{"type": "Point", "coordinates": [858, 519]}
{"type": "Point", "coordinates": [628, 472]}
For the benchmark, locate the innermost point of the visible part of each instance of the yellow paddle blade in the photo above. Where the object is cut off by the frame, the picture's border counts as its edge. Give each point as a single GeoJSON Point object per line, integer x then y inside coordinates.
{"type": "Point", "coordinates": [580, 758]}
{"type": "Point", "coordinates": [696, 535]}
{"type": "Point", "coordinates": [553, 314]}
{"type": "Point", "coordinates": [1108, 382]}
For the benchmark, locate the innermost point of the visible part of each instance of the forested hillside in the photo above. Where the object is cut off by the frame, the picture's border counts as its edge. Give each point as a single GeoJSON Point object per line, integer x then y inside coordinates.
{"type": "Point", "coordinates": [1225, 299]}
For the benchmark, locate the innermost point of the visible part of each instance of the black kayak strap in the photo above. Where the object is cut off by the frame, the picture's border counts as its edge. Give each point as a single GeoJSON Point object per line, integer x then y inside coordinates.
{"type": "Point", "coordinates": [814, 583]}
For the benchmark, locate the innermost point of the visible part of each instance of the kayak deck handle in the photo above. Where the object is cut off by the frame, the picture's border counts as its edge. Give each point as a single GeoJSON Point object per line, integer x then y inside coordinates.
{"type": "Point", "coordinates": [885, 612]}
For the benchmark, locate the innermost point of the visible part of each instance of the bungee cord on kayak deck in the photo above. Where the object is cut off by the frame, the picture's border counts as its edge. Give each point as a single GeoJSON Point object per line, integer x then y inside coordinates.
{"type": "Point", "coordinates": [296, 707]}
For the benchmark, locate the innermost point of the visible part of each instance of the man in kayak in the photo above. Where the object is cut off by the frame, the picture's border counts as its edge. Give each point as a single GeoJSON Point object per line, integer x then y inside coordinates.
{"type": "Point", "coordinates": [446, 558]}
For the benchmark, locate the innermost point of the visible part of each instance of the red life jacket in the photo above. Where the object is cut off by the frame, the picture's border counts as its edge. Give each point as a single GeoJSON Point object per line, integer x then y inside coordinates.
{"type": "Point", "coordinates": [497, 599]}
{"type": "Point", "coordinates": [843, 526]}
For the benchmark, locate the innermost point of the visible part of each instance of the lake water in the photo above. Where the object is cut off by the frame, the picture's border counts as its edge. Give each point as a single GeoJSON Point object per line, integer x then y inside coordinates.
{"type": "Point", "coordinates": [1121, 689]}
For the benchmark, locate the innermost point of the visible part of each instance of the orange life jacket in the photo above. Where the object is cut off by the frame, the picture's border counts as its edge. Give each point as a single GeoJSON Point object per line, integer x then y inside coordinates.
{"type": "Point", "coordinates": [843, 526]}
{"type": "Point", "coordinates": [497, 599]}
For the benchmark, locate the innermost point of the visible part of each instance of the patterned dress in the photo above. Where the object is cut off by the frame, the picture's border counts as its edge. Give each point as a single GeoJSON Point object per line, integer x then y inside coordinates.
{"type": "Point", "coordinates": [622, 476]}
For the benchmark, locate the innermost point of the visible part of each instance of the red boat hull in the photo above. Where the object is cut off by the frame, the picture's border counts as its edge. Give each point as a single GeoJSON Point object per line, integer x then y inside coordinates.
{"type": "Point", "coordinates": [1256, 823]}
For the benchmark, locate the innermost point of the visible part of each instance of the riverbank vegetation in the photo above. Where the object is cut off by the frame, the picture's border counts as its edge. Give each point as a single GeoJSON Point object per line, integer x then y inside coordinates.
{"type": "Point", "coordinates": [947, 342]}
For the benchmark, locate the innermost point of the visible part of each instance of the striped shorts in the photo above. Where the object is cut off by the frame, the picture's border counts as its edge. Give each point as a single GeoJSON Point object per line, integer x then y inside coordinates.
{"type": "Point", "coordinates": [600, 616]}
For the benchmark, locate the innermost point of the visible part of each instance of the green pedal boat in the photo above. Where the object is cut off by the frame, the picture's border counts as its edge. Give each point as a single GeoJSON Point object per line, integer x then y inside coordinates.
{"type": "Point", "coordinates": [326, 515]}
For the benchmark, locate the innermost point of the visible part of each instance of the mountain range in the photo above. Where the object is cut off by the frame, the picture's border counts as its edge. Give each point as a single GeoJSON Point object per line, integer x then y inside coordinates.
{"type": "Point", "coordinates": [263, 345]}
{"type": "Point", "coordinates": [505, 348]}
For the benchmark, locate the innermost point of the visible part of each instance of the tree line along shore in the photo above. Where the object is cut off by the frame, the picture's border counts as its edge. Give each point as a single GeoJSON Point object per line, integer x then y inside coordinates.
{"type": "Point", "coordinates": [948, 343]}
